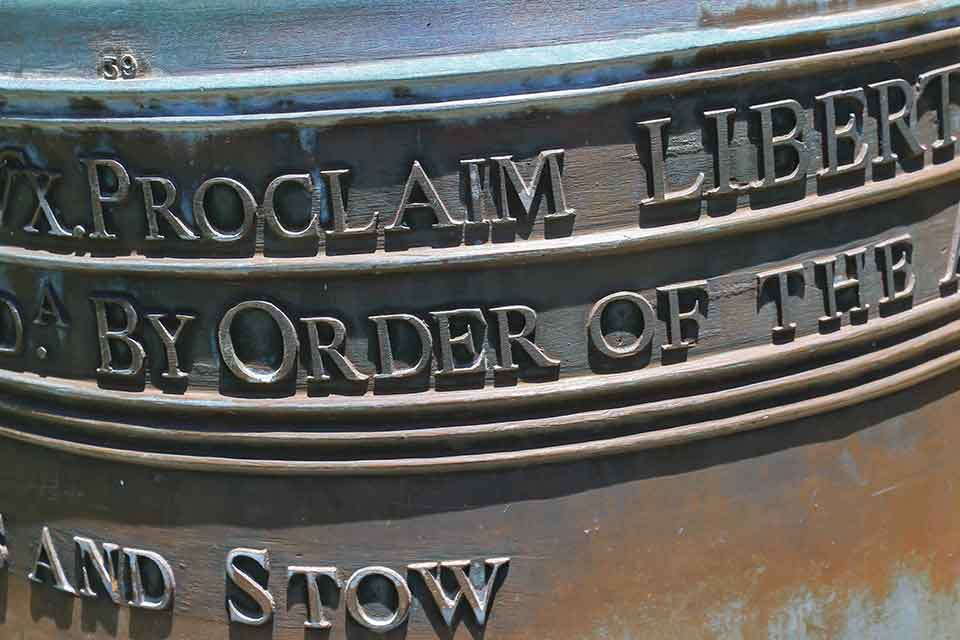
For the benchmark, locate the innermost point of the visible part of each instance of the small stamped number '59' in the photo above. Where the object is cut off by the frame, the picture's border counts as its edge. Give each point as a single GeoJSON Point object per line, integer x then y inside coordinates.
{"type": "Point", "coordinates": [116, 67]}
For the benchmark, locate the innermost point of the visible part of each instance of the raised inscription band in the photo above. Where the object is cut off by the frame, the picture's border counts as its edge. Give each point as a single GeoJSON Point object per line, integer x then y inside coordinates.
{"type": "Point", "coordinates": [641, 309]}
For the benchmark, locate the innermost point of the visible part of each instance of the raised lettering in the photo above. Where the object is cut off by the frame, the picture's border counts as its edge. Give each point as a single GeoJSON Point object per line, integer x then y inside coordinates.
{"type": "Point", "coordinates": [140, 597]}
{"type": "Point", "coordinates": [270, 212]}
{"type": "Point", "coordinates": [658, 188]}
{"type": "Point", "coordinates": [521, 338]}
{"type": "Point", "coordinates": [388, 366]}
{"type": "Point", "coordinates": [723, 160]}
{"type": "Point", "coordinates": [895, 259]}
{"type": "Point", "coordinates": [677, 317]}
{"type": "Point", "coordinates": [479, 196]}
{"type": "Point", "coordinates": [15, 346]}
{"type": "Point", "coordinates": [169, 340]}
{"type": "Point", "coordinates": [847, 131]}
{"type": "Point", "coordinates": [465, 341]}
{"type": "Point", "coordinates": [785, 327]}
{"type": "Point", "coordinates": [4, 550]}
{"type": "Point", "coordinates": [338, 204]}
{"type": "Point", "coordinates": [50, 308]}
{"type": "Point", "coordinates": [419, 179]}
{"type": "Point", "coordinates": [98, 198]}
{"type": "Point", "coordinates": [151, 208]}
{"type": "Point", "coordinates": [258, 592]}
{"type": "Point", "coordinates": [288, 335]}
{"type": "Point", "coordinates": [104, 565]}
{"type": "Point", "coordinates": [900, 120]}
{"type": "Point", "coordinates": [850, 264]}
{"type": "Point", "coordinates": [42, 182]}
{"type": "Point", "coordinates": [769, 143]}
{"type": "Point", "coordinates": [47, 565]}
{"type": "Point", "coordinates": [509, 174]}
{"type": "Point", "coordinates": [360, 613]}
{"type": "Point", "coordinates": [247, 203]}
{"type": "Point", "coordinates": [946, 122]}
{"type": "Point", "coordinates": [478, 588]}
{"type": "Point", "coordinates": [952, 274]}
{"type": "Point", "coordinates": [330, 350]}
{"type": "Point", "coordinates": [620, 350]}
{"type": "Point", "coordinates": [105, 334]}
{"type": "Point", "coordinates": [11, 164]}
{"type": "Point", "coordinates": [316, 618]}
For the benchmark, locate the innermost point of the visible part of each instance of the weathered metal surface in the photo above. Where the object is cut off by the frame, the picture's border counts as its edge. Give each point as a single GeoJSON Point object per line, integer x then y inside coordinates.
{"type": "Point", "coordinates": [479, 319]}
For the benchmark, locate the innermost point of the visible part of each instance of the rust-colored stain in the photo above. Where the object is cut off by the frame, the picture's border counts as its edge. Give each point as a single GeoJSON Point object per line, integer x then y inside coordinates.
{"type": "Point", "coordinates": [803, 538]}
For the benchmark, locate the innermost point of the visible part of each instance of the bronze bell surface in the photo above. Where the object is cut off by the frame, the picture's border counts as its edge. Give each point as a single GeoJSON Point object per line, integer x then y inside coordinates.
{"type": "Point", "coordinates": [499, 319]}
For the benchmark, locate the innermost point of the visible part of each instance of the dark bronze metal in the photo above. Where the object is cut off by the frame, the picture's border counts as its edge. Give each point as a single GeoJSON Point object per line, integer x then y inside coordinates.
{"type": "Point", "coordinates": [484, 319]}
